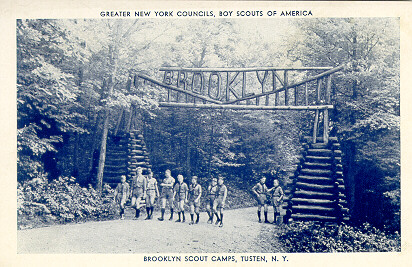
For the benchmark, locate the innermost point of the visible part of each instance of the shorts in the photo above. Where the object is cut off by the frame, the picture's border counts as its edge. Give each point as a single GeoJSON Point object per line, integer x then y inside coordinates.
{"type": "Point", "coordinates": [262, 199]}
{"type": "Point", "coordinates": [194, 203]}
{"type": "Point", "coordinates": [276, 204]}
{"type": "Point", "coordinates": [210, 200]}
{"type": "Point", "coordinates": [218, 203]}
{"type": "Point", "coordinates": [167, 194]}
{"type": "Point", "coordinates": [121, 200]}
{"type": "Point", "coordinates": [137, 192]}
{"type": "Point", "coordinates": [150, 197]}
{"type": "Point", "coordinates": [179, 198]}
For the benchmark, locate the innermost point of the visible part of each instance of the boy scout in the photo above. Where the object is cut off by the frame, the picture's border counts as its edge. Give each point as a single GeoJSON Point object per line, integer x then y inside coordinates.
{"type": "Point", "coordinates": [220, 200]}
{"type": "Point", "coordinates": [180, 193]}
{"type": "Point", "coordinates": [121, 194]}
{"type": "Point", "coordinates": [195, 192]}
{"type": "Point", "coordinates": [261, 191]}
{"type": "Point", "coordinates": [152, 191]}
{"type": "Point", "coordinates": [277, 198]}
{"type": "Point", "coordinates": [139, 190]}
{"type": "Point", "coordinates": [167, 194]}
{"type": "Point", "coordinates": [210, 198]}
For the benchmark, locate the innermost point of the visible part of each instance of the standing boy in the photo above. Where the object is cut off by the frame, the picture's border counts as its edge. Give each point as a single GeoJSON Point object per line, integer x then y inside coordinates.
{"type": "Point", "coordinates": [180, 194]}
{"type": "Point", "coordinates": [195, 191]}
{"type": "Point", "coordinates": [261, 191]}
{"type": "Point", "coordinates": [220, 200]}
{"type": "Point", "coordinates": [152, 192]}
{"type": "Point", "coordinates": [277, 198]}
{"type": "Point", "coordinates": [121, 194]}
{"type": "Point", "coordinates": [210, 199]}
{"type": "Point", "coordinates": [139, 190]}
{"type": "Point", "coordinates": [167, 194]}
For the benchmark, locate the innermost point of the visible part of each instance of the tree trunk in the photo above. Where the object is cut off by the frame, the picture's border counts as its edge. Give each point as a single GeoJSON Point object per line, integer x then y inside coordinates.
{"type": "Point", "coordinates": [75, 171]}
{"type": "Point", "coordinates": [102, 157]}
{"type": "Point", "coordinates": [211, 144]}
{"type": "Point", "coordinates": [188, 146]}
{"type": "Point", "coordinates": [94, 142]}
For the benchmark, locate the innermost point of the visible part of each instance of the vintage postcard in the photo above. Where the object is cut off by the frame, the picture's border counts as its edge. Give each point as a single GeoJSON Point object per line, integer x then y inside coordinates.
{"type": "Point", "coordinates": [200, 132]}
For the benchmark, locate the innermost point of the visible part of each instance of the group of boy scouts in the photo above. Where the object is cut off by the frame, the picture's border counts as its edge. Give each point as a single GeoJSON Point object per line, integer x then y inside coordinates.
{"type": "Point", "coordinates": [177, 194]}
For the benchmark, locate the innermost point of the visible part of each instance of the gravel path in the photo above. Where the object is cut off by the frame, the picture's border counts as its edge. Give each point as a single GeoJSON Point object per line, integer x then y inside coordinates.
{"type": "Point", "coordinates": [241, 234]}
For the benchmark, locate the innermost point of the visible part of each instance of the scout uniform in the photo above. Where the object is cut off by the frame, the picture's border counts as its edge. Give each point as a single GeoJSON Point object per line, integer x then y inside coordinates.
{"type": "Point", "coordinates": [261, 192]}
{"type": "Point", "coordinates": [138, 186]}
{"type": "Point", "coordinates": [210, 198]}
{"type": "Point", "coordinates": [121, 194]}
{"type": "Point", "coordinates": [222, 190]}
{"type": "Point", "coordinates": [219, 202]}
{"type": "Point", "coordinates": [151, 192]}
{"type": "Point", "coordinates": [167, 192]}
{"type": "Point", "coordinates": [167, 195]}
{"type": "Point", "coordinates": [181, 191]}
{"type": "Point", "coordinates": [139, 189]}
{"type": "Point", "coordinates": [277, 200]}
{"type": "Point", "coordinates": [194, 192]}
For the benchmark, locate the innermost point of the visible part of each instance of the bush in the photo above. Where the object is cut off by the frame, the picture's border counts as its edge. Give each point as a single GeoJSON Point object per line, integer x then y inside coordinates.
{"type": "Point", "coordinates": [61, 201]}
{"type": "Point", "coordinates": [317, 237]}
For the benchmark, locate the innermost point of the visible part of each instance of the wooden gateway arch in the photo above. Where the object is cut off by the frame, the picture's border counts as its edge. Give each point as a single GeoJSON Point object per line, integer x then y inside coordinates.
{"type": "Point", "coordinates": [317, 190]}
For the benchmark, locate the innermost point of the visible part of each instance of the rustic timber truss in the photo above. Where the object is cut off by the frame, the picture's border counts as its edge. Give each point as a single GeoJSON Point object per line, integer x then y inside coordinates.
{"type": "Point", "coordinates": [261, 88]}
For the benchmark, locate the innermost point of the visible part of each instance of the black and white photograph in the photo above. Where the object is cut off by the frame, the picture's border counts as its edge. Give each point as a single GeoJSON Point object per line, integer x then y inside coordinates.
{"type": "Point", "coordinates": [230, 136]}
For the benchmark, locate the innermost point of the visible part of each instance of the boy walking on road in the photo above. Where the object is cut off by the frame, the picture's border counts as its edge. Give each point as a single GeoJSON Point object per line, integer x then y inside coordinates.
{"type": "Point", "coordinates": [152, 192]}
{"type": "Point", "coordinates": [210, 199]}
{"type": "Point", "coordinates": [261, 192]}
{"type": "Point", "coordinates": [167, 194]}
{"type": "Point", "coordinates": [180, 192]}
{"type": "Point", "coordinates": [139, 190]}
{"type": "Point", "coordinates": [220, 200]}
{"type": "Point", "coordinates": [195, 192]}
{"type": "Point", "coordinates": [277, 198]}
{"type": "Point", "coordinates": [121, 194]}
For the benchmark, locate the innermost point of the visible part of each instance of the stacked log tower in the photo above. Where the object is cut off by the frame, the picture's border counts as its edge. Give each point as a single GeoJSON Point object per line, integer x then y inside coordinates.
{"type": "Point", "coordinates": [137, 154]}
{"type": "Point", "coordinates": [116, 159]}
{"type": "Point", "coordinates": [125, 152]}
{"type": "Point", "coordinates": [317, 191]}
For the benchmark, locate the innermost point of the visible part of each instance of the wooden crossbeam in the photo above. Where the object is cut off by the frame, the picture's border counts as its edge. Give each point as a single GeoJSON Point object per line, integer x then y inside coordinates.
{"type": "Point", "coordinates": [171, 87]}
{"type": "Point", "coordinates": [284, 88]}
{"type": "Point", "coordinates": [241, 69]}
{"type": "Point", "coordinates": [243, 107]}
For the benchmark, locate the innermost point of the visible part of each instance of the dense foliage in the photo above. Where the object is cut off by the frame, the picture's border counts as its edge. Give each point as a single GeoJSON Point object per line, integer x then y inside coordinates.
{"type": "Point", "coordinates": [40, 202]}
{"type": "Point", "coordinates": [315, 237]}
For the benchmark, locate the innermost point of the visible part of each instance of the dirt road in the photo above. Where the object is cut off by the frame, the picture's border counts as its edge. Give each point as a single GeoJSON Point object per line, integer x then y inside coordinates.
{"type": "Point", "coordinates": [241, 234]}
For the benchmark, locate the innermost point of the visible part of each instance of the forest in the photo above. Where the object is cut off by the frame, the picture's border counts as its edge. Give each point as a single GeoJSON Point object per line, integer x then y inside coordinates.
{"type": "Point", "coordinates": [72, 86]}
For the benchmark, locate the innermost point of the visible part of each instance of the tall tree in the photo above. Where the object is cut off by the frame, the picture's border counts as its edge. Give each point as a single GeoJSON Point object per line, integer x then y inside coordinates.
{"type": "Point", "coordinates": [366, 98]}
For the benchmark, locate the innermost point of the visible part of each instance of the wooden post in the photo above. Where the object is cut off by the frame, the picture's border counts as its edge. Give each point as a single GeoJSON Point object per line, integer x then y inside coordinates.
{"type": "Point", "coordinates": [325, 125]}
{"type": "Point", "coordinates": [119, 120]}
{"type": "Point", "coordinates": [315, 126]}
{"type": "Point", "coordinates": [129, 119]}
{"type": "Point", "coordinates": [318, 87]}
{"type": "Point", "coordinates": [227, 85]}
{"type": "Point", "coordinates": [296, 96]}
{"type": "Point", "coordinates": [328, 88]}
{"type": "Point", "coordinates": [244, 84]}
{"type": "Point", "coordinates": [274, 88]}
{"type": "Point", "coordinates": [285, 85]}
{"type": "Point", "coordinates": [306, 95]}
